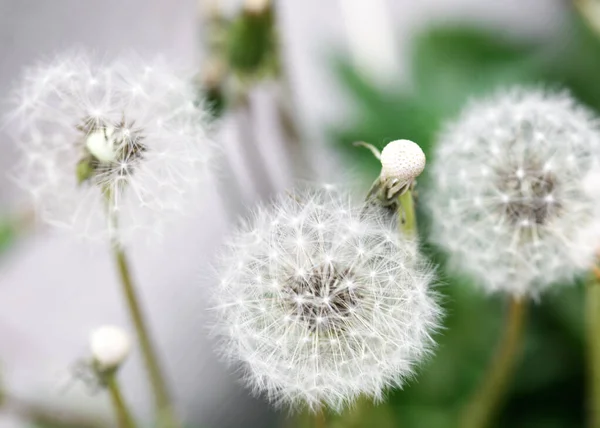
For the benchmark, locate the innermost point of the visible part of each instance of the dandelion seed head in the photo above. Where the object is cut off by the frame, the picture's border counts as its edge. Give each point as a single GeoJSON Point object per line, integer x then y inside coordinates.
{"type": "Point", "coordinates": [531, 220]}
{"type": "Point", "coordinates": [335, 327]}
{"type": "Point", "coordinates": [89, 129]}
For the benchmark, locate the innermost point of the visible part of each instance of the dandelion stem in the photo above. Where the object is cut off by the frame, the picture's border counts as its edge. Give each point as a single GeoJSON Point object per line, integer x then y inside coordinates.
{"type": "Point", "coordinates": [165, 413]}
{"type": "Point", "coordinates": [250, 147]}
{"type": "Point", "coordinates": [124, 417]}
{"type": "Point", "coordinates": [592, 302]}
{"type": "Point", "coordinates": [320, 419]}
{"type": "Point", "coordinates": [487, 400]}
{"type": "Point", "coordinates": [407, 221]}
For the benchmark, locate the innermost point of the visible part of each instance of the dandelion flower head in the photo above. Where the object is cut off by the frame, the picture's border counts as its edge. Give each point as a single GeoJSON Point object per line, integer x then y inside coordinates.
{"type": "Point", "coordinates": [321, 301]}
{"type": "Point", "coordinates": [97, 138]}
{"type": "Point", "coordinates": [515, 194]}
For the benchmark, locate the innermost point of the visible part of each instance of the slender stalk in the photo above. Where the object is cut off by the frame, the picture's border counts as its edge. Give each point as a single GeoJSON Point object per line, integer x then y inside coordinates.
{"type": "Point", "coordinates": [407, 221]}
{"type": "Point", "coordinates": [286, 104]}
{"type": "Point", "coordinates": [251, 148]}
{"type": "Point", "coordinates": [592, 305]}
{"type": "Point", "coordinates": [487, 400]}
{"type": "Point", "coordinates": [320, 420]}
{"type": "Point", "coordinates": [165, 412]}
{"type": "Point", "coordinates": [124, 416]}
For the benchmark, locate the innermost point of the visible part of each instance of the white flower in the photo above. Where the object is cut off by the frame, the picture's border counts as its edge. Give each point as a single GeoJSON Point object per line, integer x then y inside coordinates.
{"type": "Point", "coordinates": [511, 199]}
{"type": "Point", "coordinates": [322, 302]}
{"type": "Point", "coordinates": [125, 134]}
{"type": "Point", "coordinates": [110, 346]}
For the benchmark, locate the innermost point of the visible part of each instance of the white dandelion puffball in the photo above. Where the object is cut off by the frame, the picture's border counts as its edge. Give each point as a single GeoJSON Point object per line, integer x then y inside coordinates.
{"type": "Point", "coordinates": [110, 346]}
{"type": "Point", "coordinates": [402, 159]}
{"type": "Point", "coordinates": [515, 197]}
{"type": "Point", "coordinates": [322, 302]}
{"type": "Point", "coordinates": [122, 138]}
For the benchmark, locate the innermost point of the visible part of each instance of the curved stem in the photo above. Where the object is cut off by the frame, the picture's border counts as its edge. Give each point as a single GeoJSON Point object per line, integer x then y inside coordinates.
{"type": "Point", "coordinates": [488, 398]}
{"type": "Point", "coordinates": [592, 306]}
{"type": "Point", "coordinates": [124, 417]}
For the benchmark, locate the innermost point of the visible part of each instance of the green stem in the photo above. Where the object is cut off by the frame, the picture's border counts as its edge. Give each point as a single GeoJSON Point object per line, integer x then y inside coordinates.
{"type": "Point", "coordinates": [320, 419]}
{"type": "Point", "coordinates": [487, 400]}
{"type": "Point", "coordinates": [407, 221]}
{"type": "Point", "coordinates": [124, 417]}
{"type": "Point", "coordinates": [165, 412]}
{"type": "Point", "coordinates": [592, 303]}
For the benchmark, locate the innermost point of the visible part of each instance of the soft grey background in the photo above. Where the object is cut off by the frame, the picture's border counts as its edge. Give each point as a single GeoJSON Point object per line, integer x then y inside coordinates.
{"type": "Point", "coordinates": [53, 291]}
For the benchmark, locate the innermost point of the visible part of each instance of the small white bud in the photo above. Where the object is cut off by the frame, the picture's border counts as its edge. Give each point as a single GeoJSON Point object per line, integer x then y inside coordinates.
{"type": "Point", "coordinates": [402, 159]}
{"type": "Point", "coordinates": [101, 144]}
{"type": "Point", "coordinates": [110, 346]}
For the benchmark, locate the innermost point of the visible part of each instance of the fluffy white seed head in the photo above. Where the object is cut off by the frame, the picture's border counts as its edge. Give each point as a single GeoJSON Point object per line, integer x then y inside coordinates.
{"type": "Point", "coordinates": [322, 302]}
{"type": "Point", "coordinates": [127, 134]}
{"type": "Point", "coordinates": [402, 159]}
{"type": "Point", "coordinates": [110, 346]}
{"type": "Point", "coordinates": [511, 196]}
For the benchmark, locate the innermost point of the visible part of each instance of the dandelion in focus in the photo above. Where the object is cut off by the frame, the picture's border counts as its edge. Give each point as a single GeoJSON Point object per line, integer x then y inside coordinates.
{"type": "Point", "coordinates": [125, 138]}
{"type": "Point", "coordinates": [323, 302]}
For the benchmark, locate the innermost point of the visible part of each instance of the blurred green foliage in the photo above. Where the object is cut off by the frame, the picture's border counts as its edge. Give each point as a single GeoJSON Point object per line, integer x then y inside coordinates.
{"type": "Point", "coordinates": [252, 43]}
{"type": "Point", "coordinates": [450, 65]}
{"type": "Point", "coordinates": [7, 234]}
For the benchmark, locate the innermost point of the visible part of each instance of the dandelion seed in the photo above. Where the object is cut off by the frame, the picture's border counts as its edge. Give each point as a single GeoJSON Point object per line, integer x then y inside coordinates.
{"type": "Point", "coordinates": [336, 327]}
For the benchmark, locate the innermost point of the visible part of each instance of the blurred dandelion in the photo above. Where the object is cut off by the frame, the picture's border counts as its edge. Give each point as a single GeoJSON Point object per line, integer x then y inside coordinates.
{"type": "Point", "coordinates": [515, 201]}
{"type": "Point", "coordinates": [124, 135]}
{"type": "Point", "coordinates": [111, 149]}
{"type": "Point", "coordinates": [515, 197]}
{"type": "Point", "coordinates": [323, 302]}
{"type": "Point", "coordinates": [110, 346]}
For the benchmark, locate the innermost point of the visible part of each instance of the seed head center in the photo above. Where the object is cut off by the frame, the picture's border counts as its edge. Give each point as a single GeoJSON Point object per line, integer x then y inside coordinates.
{"type": "Point", "coordinates": [323, 297]}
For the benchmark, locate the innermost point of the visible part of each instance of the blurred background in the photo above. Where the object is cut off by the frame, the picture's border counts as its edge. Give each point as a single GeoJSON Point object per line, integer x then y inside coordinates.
{"type": "Point", "coordinates": [292, 90]}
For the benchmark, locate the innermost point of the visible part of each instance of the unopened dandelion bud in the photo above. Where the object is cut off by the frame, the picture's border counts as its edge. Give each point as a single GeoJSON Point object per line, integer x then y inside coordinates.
{"type": "Point", "coordinates": [403, 160]}
{"type": "Point", "coordinates": [110, 347]}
